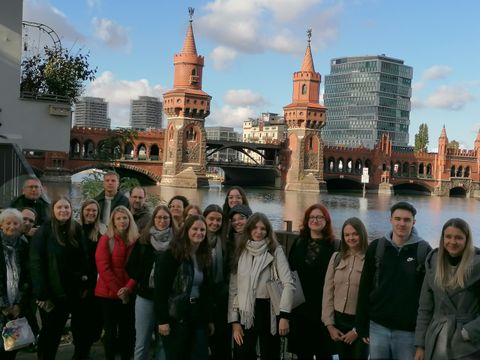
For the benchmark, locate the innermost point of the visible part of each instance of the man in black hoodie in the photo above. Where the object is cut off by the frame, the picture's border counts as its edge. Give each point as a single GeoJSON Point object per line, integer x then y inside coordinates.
{"type": "Point", "coordinates": [390, 287]}
{"type": "Point", "coordinates": [32, 197]}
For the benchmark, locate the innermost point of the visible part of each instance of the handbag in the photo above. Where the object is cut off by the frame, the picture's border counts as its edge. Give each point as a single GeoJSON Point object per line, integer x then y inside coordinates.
{"type": "Point", "coordinates": [17, 334]}
{"type": "Point", "coordinates": [275, 289]}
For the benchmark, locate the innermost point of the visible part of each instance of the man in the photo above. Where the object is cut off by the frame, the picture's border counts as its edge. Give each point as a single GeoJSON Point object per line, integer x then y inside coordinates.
{"type": "Point", "coordinates": [110, 197]}
{"type": "Point", "coordinates": [32, 197]}
{"type": "Point", "coordinates": [140, 211]}
{"type": "Point", "coordinates": [29, 220]}
{"type": "Point", "coordinates": [390, 286]}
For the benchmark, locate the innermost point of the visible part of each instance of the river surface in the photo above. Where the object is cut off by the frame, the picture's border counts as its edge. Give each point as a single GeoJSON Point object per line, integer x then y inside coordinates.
{"type": "Point", "coordinates": [373, 210]}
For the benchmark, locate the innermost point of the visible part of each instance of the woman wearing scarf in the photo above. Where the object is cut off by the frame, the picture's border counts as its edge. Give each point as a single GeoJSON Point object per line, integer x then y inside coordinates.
{"type": "Point", "coordinates": [13, 271]}
{"type": "Point", "coordinates": [154, 240]}
{"type": "Point", "coordinates": [309, 255]}
{"type": "Point", "coordinates": [249, 308]}
{"type": "Point", "coordinates": [448, 320]}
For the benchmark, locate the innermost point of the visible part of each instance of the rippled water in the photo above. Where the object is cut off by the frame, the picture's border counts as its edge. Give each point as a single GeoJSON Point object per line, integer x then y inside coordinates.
{"type": "Point", "coordinates": [373, 210]}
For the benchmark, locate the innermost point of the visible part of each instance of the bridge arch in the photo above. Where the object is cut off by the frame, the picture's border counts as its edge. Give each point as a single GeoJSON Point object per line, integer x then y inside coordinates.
{"type": "Point", "coordinates": [75, 148]}
{"type": "Point", "coordinates": [349, 165]}
{"type": "Point", "coordinates": [412, 187]}
{"type": "Point", "coordinates": [405, 168]}
{"type": "Point", "coordinates": [89, 149]}
{"type": "Point", "coordinates": [452, 171]}
{"type": "Point", "coordinates": [429, 169]}
{"type": "Point", "coordinates": [141, 151]}
{"type": "Point", "coordinates": [459, 171]}
{"type": "Point", "coordinates": [458, 191]}
{"type": "Point", "coordinates": [128, 151]}
{"type": "Point", "coordinates": [466, 172]}
{"type": "Point", "coordinates": [154, 152]}
{"type": "Point", "coordinates": [358, 166]}
{"type": "Point", "coordinates": [340, 165]}
{"type": "Point", "coordinates": [368, 165]}
{"type": "Point", "coordinates": [148, 174]}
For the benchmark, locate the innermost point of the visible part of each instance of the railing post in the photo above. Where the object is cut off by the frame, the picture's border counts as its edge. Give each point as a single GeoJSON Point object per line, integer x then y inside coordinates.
{"type": "Point", "coordinates": [288, 224]}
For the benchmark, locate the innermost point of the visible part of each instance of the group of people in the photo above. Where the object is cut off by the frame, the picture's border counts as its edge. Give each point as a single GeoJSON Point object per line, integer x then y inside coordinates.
{"type": "Point", "coordinates": [179, 282]}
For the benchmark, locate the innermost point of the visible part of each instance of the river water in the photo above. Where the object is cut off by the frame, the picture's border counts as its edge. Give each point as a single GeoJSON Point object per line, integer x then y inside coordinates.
{"type": "Point", "coordinates": [373, 210]}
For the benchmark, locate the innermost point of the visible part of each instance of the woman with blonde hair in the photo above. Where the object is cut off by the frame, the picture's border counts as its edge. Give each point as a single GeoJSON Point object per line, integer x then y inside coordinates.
{"type": "Point", "coordinates": [448, 321]}
{"type": "Point", "coordinates": [114, 286]}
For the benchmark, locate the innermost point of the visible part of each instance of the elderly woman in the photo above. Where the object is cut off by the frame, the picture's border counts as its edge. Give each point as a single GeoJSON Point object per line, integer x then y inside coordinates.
{"type": "Point", "coordinates": [13, 275]}
{"type": "Point", "coordinates": [448, 321]}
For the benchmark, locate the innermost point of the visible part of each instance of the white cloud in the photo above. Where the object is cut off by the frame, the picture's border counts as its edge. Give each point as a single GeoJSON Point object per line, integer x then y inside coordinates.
{"type": "Point", "coordinates": [255, 26]}
{"type": "Point", "coordinates": [231, 116]}
{"type": "Point", "coordinates": [118, 94]}
{"type": "Point", "coordinates": [94, 3]}
{"type": "Point", "coordinates": [42, 12]}
{"type": "Point", "coordinates": [437, 72]}
{"type": "Point", "coordinates": [222, 57]}
{"type": "Point", "coordinates": [450, 98]}
{"type": "Point", "coordinates": [110, 32]}
{"type": "Point", "coordinates": [243, 98]}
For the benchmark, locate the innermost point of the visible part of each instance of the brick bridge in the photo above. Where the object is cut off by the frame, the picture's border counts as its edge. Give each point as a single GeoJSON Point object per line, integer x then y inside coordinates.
{"type": "Point", "coordinates": [448, 172]}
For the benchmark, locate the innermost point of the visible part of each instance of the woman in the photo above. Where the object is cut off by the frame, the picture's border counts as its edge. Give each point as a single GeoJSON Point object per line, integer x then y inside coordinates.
{"type": "Point", "coordinates": [13, 271]}
{"type": "Point", "coordinates": [340, 292]}
{"type": "Point", "coordinates": [235, 196]}
{"type": "Point", "coordinates": [90, 307]}
{"type": "Point", "coordinates": [183, 300]}
{"type": "Point", "coordinates": [249, 309]}
{"type": "Point", "coordinates": [448, 322]}
{"type": "Point", "coordinates": [221, 341]}
{"type": "Point", "coordinates": [177, 205]}
{"type": "Point", "coordinates": [114, 286]}
{"type": "Point", "coordinates": [192, 210]}
{"type": "Point", "coordinates": [154, 240]}
{"type": "Point", "coordinates": [309, 255]}
{"type": "Point", "coordinates": [238, 216]}
{"type": "Point", "coordinates": [59, 272]}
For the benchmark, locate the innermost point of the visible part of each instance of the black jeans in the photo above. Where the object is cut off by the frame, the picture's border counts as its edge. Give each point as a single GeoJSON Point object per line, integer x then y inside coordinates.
{"type": "Point", "coordinates": [358, 350]}
{"type": "Point", "coordinates": [269, 344]}
{"type": "Point", "coordinates": [188, 338]}
{"type": "Point", "coordinates": [118, 322]}
{"type": "Point", "coordinates": [53, 326]}
{"type": "Point", "coordinates": [221, 340]}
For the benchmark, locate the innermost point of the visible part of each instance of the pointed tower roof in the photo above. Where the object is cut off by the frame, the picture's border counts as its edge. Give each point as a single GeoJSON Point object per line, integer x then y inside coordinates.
{"type": "Point", "coordinates": [308, 59]}
{"type": "Point", "coordinates": [189, 47]}
{"type": "Point", "coordinates": [444, 133]}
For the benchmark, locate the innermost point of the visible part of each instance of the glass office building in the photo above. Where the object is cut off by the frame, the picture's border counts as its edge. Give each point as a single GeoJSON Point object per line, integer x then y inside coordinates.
{"type": "Point", "coordinates": [365, 97]}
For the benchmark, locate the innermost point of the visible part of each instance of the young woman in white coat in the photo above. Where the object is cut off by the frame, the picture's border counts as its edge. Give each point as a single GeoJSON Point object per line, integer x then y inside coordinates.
{"type": "Point", "coordinates": [250, 310]}
{"type": "Point", "coordinates": [448, 322]}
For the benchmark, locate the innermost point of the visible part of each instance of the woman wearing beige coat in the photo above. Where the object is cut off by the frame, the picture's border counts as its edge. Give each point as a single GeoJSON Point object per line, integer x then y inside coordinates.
{"type": "Point", "coordinates": [250, 310]}
{"type": "Point", "coordinates": [340, 291]}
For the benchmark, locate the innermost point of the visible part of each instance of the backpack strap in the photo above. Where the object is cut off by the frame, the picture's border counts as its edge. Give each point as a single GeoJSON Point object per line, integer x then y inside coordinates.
{"type": "Point", "coordinates": [337, 259]}
{"type": "Point", "coordinates": [111, 244]}
{"type": "Point", "coordinates": [423, 249]}
{"type": "Point", "coordinates": [379, 251]}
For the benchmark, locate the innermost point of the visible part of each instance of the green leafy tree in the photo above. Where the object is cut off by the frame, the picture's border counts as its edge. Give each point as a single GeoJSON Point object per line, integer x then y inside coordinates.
{"type": "Point", "coordinates": [454, 144]}
{"type": "Point", "coordinates": [421, 138]}
{"type": "Point", "coordinates": [56, 72]}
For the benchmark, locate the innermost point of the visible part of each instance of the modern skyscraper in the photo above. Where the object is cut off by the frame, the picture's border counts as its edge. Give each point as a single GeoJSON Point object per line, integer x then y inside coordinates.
{"type": "Point", "coordinates": [365, 97]}
{"type": "Point", "coordinates": [146, 113]}
{"type": "Point", "coordinates": [92, 112]}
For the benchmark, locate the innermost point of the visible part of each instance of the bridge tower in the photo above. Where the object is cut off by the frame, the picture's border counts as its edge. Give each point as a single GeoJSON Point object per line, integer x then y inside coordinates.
{"type": "Point", "coordinates": [304, 117]}
{"type": "Point", "coordinates": [186, 107]}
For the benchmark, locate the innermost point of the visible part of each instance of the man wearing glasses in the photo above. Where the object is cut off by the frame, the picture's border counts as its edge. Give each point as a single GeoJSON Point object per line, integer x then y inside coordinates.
{"type": "Point", "coordinates": [140, 211]}
{"type": "Point", "coordinates": [32, 198]}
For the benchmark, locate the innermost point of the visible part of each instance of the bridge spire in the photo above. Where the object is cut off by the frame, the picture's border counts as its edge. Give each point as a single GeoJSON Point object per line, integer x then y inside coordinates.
{"type": "Point", "coordinates": [186, 107]}
{"type": "Point", "coordinates": [304, 117]}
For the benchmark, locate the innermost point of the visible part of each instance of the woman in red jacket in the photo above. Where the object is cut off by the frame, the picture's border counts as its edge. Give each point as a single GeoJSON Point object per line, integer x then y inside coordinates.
{"type": "Point", "coordinates": [114, 287]}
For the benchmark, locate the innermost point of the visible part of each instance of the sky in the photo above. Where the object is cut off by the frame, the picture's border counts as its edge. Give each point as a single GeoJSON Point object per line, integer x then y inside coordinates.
{"type": "Point", "coordinates": [253, 47]}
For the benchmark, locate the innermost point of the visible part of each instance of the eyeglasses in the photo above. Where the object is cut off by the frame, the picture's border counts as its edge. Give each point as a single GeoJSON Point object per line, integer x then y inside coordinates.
{"type": "Point", "coordinates": [164, 218]}
{"type": "Point", "coordinates": [316, 218]}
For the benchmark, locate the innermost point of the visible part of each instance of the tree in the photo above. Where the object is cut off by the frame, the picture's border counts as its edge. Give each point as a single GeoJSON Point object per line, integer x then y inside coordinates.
{"type": "Point", "coordinates": [454, 144]}
{"type": "Point", "coordinates": [421, 138]}
{"type": "Point", "coordinates": [56, 72]}
{"type": "Point", "coordinates": [110, 149]}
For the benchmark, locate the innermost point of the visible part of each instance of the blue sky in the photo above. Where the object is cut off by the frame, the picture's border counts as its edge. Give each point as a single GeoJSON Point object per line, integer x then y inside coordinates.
{"type": "Point", "coordinates": [252, 47]}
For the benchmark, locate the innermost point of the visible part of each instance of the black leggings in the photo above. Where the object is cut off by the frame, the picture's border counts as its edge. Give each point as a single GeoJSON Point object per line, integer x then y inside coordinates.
{"type": "Point", "coordinates": [358, 350]}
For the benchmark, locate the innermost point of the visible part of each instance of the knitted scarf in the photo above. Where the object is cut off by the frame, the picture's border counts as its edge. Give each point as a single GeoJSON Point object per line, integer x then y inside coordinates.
{"type": "Point", "coordinates": [160, 240]}
{"type": "Point", "coordinates": [12, 264]}
{"type": "Point", "coordinates": [251, 262]}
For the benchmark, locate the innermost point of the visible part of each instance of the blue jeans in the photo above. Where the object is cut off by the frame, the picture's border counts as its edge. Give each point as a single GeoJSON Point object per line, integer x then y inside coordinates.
{"type": "Point", "coordinates": [392, 344]}
{"type": "Point", "coordinates": [145, 326]}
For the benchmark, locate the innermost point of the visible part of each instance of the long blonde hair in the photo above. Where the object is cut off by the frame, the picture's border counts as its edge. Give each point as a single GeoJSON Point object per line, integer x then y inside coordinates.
{"type": "Point", "coordinates": [98, 227]}
{"type": "Point", "coordinates": [132, 231]}
{"type": "Point", "coordinates": [444, 278]}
